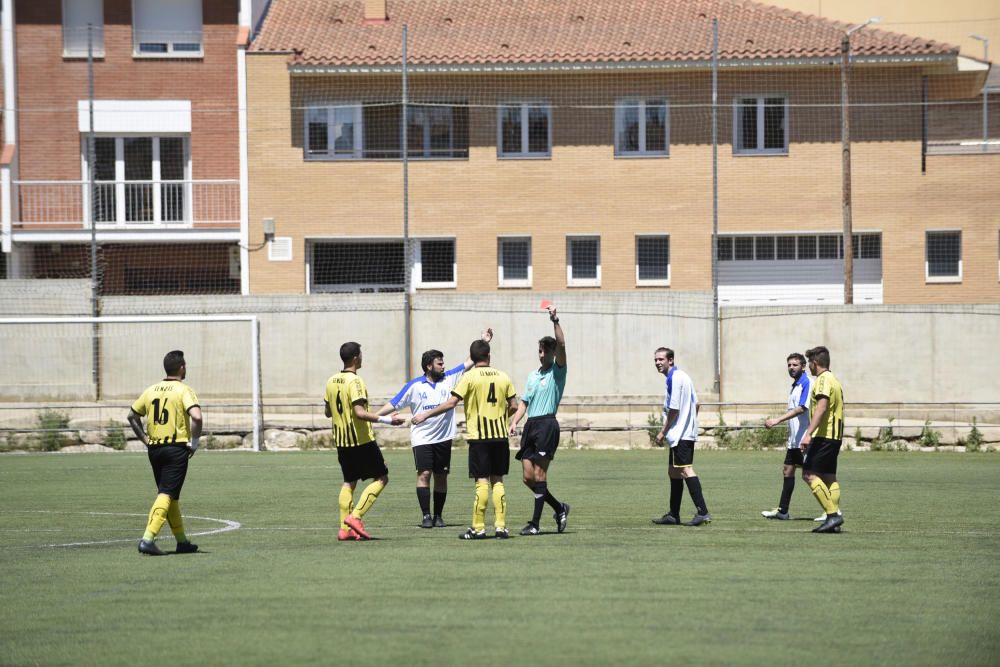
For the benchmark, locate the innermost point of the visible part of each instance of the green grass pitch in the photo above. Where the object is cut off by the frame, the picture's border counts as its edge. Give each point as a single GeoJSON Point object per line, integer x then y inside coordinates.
{"type": "Point", "coordinates": [914, 579]}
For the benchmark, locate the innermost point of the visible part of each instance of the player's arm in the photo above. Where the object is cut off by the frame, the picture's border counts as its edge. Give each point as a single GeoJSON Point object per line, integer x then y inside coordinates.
{"type": "Point", "coordinates": [672, 415]}
{"type": "Point", "coordinates": [326, 409]}
{"type": "Point", "coordinates": [512, 405]}
{"type": "Point", "coordinates": [375, 418]}
{"type": "Point", "coordinates": [386, 409]}
{"type": "Point", "coordinates": [448, 404]}
{"type": "Point", "coordinates": [822, 405]}
{"type": "Point", "coordinates": [197, 422]}
{"type": "Point", "coordinates": [486, 336]}
{"type": "Point", "coordinates": [560, 337]}
{"type": "Point", "coordinates": [135, 421]}
{"type": "Point", "coordinates": [791, 414]}
{"type": "Point", "coordinates": [522, 407]}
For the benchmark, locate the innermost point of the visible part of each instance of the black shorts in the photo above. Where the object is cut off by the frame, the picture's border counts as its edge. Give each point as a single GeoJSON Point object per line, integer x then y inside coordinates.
{"type": "Point", "coordinates": [540, 438]}
{"type": "Point", "coordinates": [488, 458]}
{"type": "Point", "coordinates": [682, 454]}
{"type": "Point", "coordinates": [170, 466]}
{"type": "Point", "coordinates": [362, 462]}
{"type": "Point", "coordinates": [435, 457]}
{"type": "Point", "coordinates": [793, 457]}
{"type": "Point", "coordinates": [821, 456]}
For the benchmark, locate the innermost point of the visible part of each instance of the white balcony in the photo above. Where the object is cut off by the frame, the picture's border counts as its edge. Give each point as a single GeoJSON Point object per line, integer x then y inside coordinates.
{"type": "Point", "coordinates": [126, 204]}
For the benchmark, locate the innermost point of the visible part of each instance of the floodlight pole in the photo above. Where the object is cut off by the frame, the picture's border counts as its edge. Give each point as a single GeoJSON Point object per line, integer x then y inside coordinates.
{"type": "Point", "coordinates": [986, 110]}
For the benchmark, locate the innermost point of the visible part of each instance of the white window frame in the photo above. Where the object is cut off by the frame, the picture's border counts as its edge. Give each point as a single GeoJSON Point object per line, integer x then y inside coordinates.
{"type": "Point", "coordinates": [641, 103]}
{"type": "Point", "coordinates": [523, 153]}
{"type": "Point", "coordinates": [655, 282]}
{"type": "Point", "coordinates": [156, 183]}
{"type": "Point", "coordinates": [171, 52]}
{"type": "Point", "coordinates": [98, 34]}
{"type": "Point", "coordinates": [927, 265]}
{"type": "Point", "coordinates": [738, 124]}
{"type": "Point", "coordinates": [582, 282]}
{"type": "Point", "coordinates": [416, 278]}
{"type": "Point", "coordinates": [358, 150]}
{"type": "Point", "coordinates": [503, 281]}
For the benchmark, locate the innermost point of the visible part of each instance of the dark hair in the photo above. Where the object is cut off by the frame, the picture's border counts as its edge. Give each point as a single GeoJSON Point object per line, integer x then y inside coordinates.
{"type": "Point", "coordinates": [428, 358]}
{"type": "Point", "coordinates": [350, 350]}
{"type": "Point", "coordinates": [796, 355]}
{"type": "Point", "coordinates": [173, 361]}
{"type": "Point", "coordinates": [820, 355]}
{"type": "Point", "coordinates": [547, 343]}
{"type": "Point", "coordinates": [479, 351]}
{"type": "Point", "coordinates": [670, 353]}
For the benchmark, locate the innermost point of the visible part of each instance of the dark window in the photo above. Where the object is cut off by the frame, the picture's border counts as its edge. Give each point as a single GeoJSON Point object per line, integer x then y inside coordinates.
{"type": "Point", "coordinates": [807, 247]}
{"type": "Point", "coordinates": [652, 255]}
{"type": "Point", "coordinates": [725, 248]}
{"type": "Point", "coordinates": [786, 247]}
{"type": "Point", "coordinates": [515, 258]}
{"type": "Point", "coordinates": [764, 247]}
{"type": "Point", "coordinates": [944, 254]}
{"type": "Point", "coordinates": [437, 261]}
{"type": "Point", "coordinates": [744, 247]}
{"type": "Point", "coordinates": [829, 247]}
{"type": "Point", "coordinates": [354, 266]}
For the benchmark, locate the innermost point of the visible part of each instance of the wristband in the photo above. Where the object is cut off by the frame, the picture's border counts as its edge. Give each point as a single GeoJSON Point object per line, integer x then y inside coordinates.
{"type": "Point", "coordinates": [384, 419]}
{"type": "Point", "coordinates": [555, 320]}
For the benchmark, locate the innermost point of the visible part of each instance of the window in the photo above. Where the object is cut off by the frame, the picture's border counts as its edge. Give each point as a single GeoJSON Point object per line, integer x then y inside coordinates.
{"type": "Point", "coordinates": [170, 28]}
{"type": "Point", "coordinates": [797, 247]}
{"type": "Point", "coordinates": [652, 260]}
{"type": "Point", "coordinates": [583, 268]}
{"type": "Point", "coordinates": [77, 15]}
{"type": "Point", "coordinates": [514, 261]}
{"type": "Point", "coordinates": [140, 180]}
{"type": "Point", "coordinates": [434, 264]}
{"type": "Point", "coordinates": [641, 128]}
{"type": "Point", "coordinates": [760, 125]}
{"type": "Point", "coordinates": [524, 130]}
{"type": "Point", "coordinates": [944, 256]}
{"type": "Point", "coordinates": [374, 131]}
{"type": "Point", "coordinates": [357, 266]}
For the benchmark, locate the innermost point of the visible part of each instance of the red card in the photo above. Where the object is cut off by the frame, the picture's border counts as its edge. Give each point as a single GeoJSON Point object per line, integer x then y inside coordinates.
{"type": "Point", "coordinates": [545, 304]}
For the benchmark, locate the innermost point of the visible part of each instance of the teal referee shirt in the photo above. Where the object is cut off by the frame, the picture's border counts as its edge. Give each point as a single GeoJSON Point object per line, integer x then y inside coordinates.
{"type": "Point", "coordinates": [544, 390]}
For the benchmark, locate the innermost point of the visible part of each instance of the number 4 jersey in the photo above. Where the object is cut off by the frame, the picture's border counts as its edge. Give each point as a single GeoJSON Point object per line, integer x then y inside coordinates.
{"type": "Point", "coordinates": [165, 406]}
{"type": "Point", "coordinates": [343, 390]}
{"type": "Point", "coordinates": [485, 392]}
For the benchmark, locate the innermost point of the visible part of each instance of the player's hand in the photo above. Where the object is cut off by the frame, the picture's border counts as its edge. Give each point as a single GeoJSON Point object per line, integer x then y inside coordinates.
{"type": "Point", "coordinates": [512, 431]}
{"type": "Point", "coordinates": [552, 313]}
{"type": "Point", "coordinates": [397, 420]}
{"type": "Point", "coordinates": [659, 437]}
{"type": "Point", "coordinates": [418, 419]}
{"type": "Point", "coordinates": [486, 335]}
{"type": "Point", "coordinates": [192, 447]}
{"type": "Point", "coordinates": [769, 423]}
{"type": "Point", "coordinates": [805, 442]}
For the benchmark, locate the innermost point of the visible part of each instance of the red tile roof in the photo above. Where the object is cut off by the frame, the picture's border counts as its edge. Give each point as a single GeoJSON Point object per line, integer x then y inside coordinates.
{"type": "Point", "coordinates": [469, 32]}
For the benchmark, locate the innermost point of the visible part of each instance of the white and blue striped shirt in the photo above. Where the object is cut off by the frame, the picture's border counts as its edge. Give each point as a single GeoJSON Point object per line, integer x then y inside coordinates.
{"type": "Point", "coordinates": [420, 394]}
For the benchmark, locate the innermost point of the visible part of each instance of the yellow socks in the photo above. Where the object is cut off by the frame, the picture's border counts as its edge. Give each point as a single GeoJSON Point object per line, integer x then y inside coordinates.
{"type": "Point", "coordinates": [835, 494]}
{"type": "Point", "coordinates": [346, 503]}
{"type": "Point", "coordinates": [822, 493]}
{"type": "Point", "coordinates": [368, 497]}
{"type": "Point", "coordinates": [499, 506]}
{"type": "Point", "coordinates": [175, 521]}
{"type": "Point", "coordinates": [157, 516]}
{"type": "Point", "coordinates": [479, 506]}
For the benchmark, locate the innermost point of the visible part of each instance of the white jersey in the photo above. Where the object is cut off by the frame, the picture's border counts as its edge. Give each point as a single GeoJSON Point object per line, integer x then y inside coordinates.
{"type": "Point", "coordinates": [799, 395]}
{"type": "Point", "coordinates": [682, 397]}
{"type": "Point", "coordinates": [420, 394]}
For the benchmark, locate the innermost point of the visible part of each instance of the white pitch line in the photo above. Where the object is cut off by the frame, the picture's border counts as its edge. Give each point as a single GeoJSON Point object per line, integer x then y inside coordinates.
{"type": "Point", "coordinates": [228, 525]}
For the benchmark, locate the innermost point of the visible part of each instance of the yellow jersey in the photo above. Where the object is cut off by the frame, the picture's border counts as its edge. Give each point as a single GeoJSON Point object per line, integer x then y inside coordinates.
{"type": "Point", "coordinates": [165, 406]}
{"type": "Point", "coordinates": [485, 392]}
{"type": "Point", "coordinates": [343, 390]}
{"type": "Point", "coordinates": [832, 424]}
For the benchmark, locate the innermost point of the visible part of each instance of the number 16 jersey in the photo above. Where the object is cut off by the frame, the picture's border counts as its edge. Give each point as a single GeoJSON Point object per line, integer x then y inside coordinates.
{"type": "Point", "coordinates": [165, 406]}
{"type": "Point", "coordinates": [485, 392]}
{"type": "Point", "coordinates": [343, 390]}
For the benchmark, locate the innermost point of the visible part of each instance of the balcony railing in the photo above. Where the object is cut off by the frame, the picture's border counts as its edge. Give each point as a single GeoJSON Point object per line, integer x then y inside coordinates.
{"type": "Point", "coordinates": [127, 204]}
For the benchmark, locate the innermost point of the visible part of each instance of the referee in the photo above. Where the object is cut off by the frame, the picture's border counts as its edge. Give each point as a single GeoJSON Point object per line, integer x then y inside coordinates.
{"type": "Point", "coordinates": [173, 427]}
{"type": "Point", "coordinates": [540, 436]}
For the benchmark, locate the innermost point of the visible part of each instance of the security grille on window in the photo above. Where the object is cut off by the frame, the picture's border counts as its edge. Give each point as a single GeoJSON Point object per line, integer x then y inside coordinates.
{"type": "Point", "coordinates": [584, 266]}
{"type": "Point", "coordinates": [77, 16]}
{"type": "Point", "coordinates": [514, 262]}
{"type": "Point", "coordinates": [797, 247]}
{"type": "Point", "coordinates": [524, 130]}
{"type": "Point", "coordinates": [641, 128]}
{"type": "Point", "coordinates": [760, 125]}
{"type": "Point", "coordinates": [652, 259]}
{"type": "Point", "coordinates": [944, 255]}
{"type": "Point", "coordinates": [357, 266]}
{"type": "Point", "coordinates": [140, 180]}
{"type": "Point", "coordinates": [436, 263]}
{"type": "Point", "coordinates": [374, 131]}
{"type": "Point", "coordinates": [167, 27]}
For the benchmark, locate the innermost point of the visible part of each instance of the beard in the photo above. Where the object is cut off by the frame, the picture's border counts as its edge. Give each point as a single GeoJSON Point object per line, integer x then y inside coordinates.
{"type": "Point", "coordinates": [436, 376]}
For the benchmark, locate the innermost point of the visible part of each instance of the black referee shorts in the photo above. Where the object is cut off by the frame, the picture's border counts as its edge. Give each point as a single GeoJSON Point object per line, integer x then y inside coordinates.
{"type": "Point", "coordinates": [435, 457]}
{"type": "Point", "coordinates": [361, 462]}
{"type": "Point", "coordinates": [821, 456]}
{"type": "Point", "coordinates": [170, 466]}
{"type": "Point", "coordinates": [488, 458]}
{"type": "Point", "coordinates": [540, 438]}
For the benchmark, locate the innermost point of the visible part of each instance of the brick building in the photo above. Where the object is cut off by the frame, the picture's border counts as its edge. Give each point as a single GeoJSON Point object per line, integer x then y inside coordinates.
{"type": "Point", "coordinates": [566, 146]}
